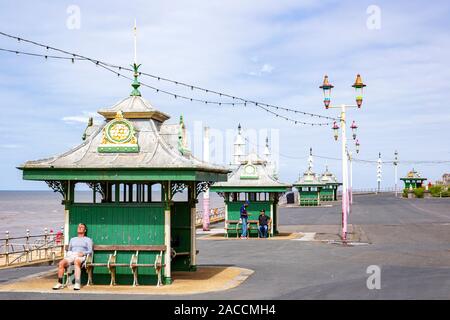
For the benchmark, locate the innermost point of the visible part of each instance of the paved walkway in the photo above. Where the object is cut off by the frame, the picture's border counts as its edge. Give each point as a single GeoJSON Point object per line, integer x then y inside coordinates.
{"type": "Point", "coordinates": [409, 241]}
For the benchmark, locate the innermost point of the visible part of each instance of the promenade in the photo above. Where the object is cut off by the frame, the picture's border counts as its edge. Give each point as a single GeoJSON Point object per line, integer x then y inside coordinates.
{"type": "Point", "coordinates": [408, 239]}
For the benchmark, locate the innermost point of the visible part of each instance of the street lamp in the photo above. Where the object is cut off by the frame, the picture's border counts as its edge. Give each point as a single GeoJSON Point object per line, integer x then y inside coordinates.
{"type": "Point", "coordinates": [326, 87]}
{"type": "Point", "coordinates": [359, 88]}
{"type": "Point", "coordinates": [354, 127]}
{"type": "Point", "coordinates": [335, 130]}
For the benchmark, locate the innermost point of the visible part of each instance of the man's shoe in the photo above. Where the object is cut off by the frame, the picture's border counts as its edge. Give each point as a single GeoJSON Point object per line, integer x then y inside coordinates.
{"type": "Point", "coordinates": [76, 286]}
{"type": "Point", "coordinates": [58, 286]}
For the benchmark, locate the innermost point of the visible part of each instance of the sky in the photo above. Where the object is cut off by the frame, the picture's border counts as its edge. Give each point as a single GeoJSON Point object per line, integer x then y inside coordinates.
{"type": "Point", "coordinates": [275, 52]}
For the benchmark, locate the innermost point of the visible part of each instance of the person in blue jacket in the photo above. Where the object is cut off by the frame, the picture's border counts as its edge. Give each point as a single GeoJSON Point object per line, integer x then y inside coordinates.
{"type": "Point", "coordinates": [244, 219]}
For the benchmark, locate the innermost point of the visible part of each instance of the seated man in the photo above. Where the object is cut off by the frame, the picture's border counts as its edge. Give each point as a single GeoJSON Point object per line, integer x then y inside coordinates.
{"type": "Point", "coordinates": [263, 224]}
{"type": "Point", "coordinates": [79, 248]}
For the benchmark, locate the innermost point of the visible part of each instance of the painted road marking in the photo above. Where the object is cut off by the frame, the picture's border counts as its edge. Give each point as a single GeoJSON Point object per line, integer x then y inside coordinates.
{"type": "Point", "coordinates": [307, 236]}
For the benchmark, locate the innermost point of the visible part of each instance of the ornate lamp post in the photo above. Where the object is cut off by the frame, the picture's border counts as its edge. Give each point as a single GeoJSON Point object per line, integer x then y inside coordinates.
{"type": "Point", "coordinates": [379, 172]}
{"type": "Point", "coordinates": [395, 168]}
{"type": "Point", "coordinates": [326, 87]}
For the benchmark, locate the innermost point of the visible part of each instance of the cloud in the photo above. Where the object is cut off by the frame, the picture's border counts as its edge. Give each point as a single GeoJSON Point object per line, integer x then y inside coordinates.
{"type": "Point", "coordinates": [267, 68]}
{"type": "Point", "coordinates": [10, 146]}
{"type": "Point", "coordinates": [271, 51]}
{"type": "Point", "coordinates": [84, 118]}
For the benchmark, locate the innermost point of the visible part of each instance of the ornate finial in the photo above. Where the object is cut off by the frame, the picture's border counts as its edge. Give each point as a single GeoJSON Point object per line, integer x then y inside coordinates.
{"type": "Point", "coordinates": [182, 138]}
{"type": "Point", "coordinates": [267, 142]}
{"type": "Point", "coordinates": [239, 128]}
{"type": "Point", "coordinates": [136, 84]}
{"type": "Point", "coordinates": [119, 115]}
{"type": "Point", "coordinates": [310, 151]}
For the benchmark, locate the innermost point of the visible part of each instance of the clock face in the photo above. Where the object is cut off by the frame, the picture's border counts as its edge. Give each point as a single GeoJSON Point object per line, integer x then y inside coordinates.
{"type": "Point", "coordinates": [249, 170]}
{"type": "Point", "coordinates": [119, 132]}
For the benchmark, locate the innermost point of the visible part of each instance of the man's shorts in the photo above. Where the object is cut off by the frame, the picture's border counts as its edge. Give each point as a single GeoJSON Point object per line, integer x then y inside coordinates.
{"type": "Point", "coordinates": [71, 256]}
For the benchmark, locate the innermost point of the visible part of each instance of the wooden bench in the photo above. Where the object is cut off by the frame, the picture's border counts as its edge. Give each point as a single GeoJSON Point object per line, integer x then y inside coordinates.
{"type": "Point", "coordinates": [134, 264]}
{"type": "Point", "coordinates": [251, 225]}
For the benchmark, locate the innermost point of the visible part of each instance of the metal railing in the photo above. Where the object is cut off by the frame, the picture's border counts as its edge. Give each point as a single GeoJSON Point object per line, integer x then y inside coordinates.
{"type": "Point", "coordinates": [16, 251]}
{"type": "Point", "coordinates": [215, 215]}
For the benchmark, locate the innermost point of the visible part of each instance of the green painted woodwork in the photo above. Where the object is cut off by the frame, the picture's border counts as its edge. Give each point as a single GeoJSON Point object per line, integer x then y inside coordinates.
{"type": "Point", "coordinates": [413, 182]}
{"type": "Point", "coordinates": [121, 174]}
{"type": "Point", "coordinates": [326, 193]}
{"type": "Point", "coordinates": [119, 149]}
{"type": "Point", "coordinates": [247, 189]}
{"type": "Point", "coordinates": [121, 224]}
{"type": "Point", "coordinates": [234, 213]}
{"type": "Point", "coordinates": [308, 196]}
{"type": "Point", "coordinates": [181, 235]}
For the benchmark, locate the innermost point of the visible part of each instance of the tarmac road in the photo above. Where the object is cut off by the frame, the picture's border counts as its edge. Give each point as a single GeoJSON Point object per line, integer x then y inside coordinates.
{"type": "Point", "coordinates": [409, 241]}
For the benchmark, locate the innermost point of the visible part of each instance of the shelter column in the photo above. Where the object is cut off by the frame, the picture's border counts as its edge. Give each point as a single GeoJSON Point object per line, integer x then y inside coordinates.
{"type": "Point", "coordinates": [167, 234]}
{"type": "Point", "coordinates": [192, 203]}
{"type": "Point", "coordinates": [69, 197]}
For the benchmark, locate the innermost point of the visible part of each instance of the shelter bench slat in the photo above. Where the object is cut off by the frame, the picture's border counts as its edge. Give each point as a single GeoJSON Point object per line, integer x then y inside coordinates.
{"type": "Point", "coordinates": [134, 264]}
{"type": "Point", "coordinates": [233, 225]}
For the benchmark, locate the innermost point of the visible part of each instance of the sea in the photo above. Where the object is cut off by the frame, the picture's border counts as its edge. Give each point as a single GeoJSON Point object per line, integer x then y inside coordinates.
{"type": "Point", "coordinates": [37, 210]}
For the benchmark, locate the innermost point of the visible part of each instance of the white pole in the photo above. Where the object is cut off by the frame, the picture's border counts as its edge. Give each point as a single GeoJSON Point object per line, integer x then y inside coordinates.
{"type": "Point", "coordinates": [396, 180]}
{"type": "Point", "coordinates": [135, 41]}
{"type": "Point", "coordinates": [344, 175]}
{"type": "Point", "coordinates": [206, 193]}
{"type": "Point", "coordinates": [351, 178]}
{"type": "Point", "coordinates": [395, 169]}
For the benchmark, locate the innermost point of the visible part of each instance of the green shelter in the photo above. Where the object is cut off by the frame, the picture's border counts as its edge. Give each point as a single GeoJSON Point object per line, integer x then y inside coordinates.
{"type": "Point", "coordinates": [253, 180]}
{"type": "Point", "coordinates": [309, 188]}
{"type": "Point", "coordinates": [328, 192]}
{"type": "Point", "coordinates": [135, 163]}
{"type": "Point", "coordinates": [413, 180]}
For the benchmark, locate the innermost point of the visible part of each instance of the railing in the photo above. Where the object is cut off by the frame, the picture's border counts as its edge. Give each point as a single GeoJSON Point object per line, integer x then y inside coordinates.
{"type": "Point", "coordinates": [215, 215]}
{"type": "Point", "coordinates": [375, 190]}
{"type": "Point", "coordinates": [16, 251]}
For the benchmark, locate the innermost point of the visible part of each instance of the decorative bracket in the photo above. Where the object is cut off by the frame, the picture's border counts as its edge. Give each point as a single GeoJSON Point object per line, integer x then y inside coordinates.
{"type": "Point", "coordinates": [177, 187]}
{"type": "Point", "coordinates": [99, 187]}
{"type": "Point", "coordinates": [58, 186]}
{"type": "Point", "coordinates": [202, 187]}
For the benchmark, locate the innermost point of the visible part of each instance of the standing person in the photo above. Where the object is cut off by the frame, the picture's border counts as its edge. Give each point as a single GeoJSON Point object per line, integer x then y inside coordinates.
{"type": "Point", "coordinates": [244, 219]}
{"type": "Point", "coordinates": [79, 248]}
{"type": "Point", "coordinates": [263, 224]}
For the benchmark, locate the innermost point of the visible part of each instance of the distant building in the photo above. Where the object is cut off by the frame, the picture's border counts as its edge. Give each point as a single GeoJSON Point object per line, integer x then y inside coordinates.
{"type": "Point", "coordinates": [445, 180]}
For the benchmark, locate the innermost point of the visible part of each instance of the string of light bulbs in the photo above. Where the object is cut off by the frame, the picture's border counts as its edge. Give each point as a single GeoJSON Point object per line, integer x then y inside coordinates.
{"type": "Point", "coordinates": [192, 87]}
{"type": "Point", "coordinates": [158, 90]}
